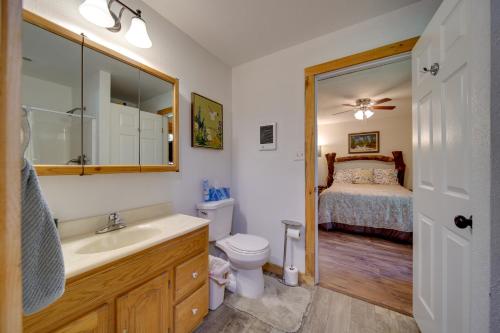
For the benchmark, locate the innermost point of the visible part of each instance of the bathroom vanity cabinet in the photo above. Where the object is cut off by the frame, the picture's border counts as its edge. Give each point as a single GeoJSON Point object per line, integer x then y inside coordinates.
{"type": "Point", "coordinates": [161, 289]}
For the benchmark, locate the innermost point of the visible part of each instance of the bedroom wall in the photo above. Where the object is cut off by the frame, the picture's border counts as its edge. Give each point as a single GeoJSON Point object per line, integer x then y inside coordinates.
{"type": "Point", "coordinates": [269, 185]}
{"type": "Point", "coordinates": [176, 54]}
{"type": "Point", "coordinates": [395, 134]}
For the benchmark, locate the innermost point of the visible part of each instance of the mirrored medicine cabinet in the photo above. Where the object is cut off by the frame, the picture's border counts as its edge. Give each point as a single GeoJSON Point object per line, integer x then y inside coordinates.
{"type": "Point", "coordinates": [92, 110]}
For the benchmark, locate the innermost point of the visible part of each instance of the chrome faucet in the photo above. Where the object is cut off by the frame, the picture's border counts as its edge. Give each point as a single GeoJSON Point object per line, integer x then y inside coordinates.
{"type": "Point", "coordinates": [114, 223]}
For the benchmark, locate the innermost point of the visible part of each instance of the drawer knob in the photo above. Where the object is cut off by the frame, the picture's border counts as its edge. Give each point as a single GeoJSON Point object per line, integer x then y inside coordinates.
{"type": "Point", "coordinates": [195, 275]}
{"type": "Point", "coordinates": [194, 311]}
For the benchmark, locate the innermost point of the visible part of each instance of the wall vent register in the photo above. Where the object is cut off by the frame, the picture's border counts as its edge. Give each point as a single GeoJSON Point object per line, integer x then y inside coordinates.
{"type": "Point", "coordinates": [267, 137]}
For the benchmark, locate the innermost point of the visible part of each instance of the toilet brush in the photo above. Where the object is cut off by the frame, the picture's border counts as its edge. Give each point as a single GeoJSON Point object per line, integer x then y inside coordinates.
{"type": "Point", "coordinates": [289, 275]}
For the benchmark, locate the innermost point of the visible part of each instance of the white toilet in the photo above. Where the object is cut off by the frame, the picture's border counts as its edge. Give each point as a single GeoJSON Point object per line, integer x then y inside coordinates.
{"type": "Point", "coordinates": [246, 253]}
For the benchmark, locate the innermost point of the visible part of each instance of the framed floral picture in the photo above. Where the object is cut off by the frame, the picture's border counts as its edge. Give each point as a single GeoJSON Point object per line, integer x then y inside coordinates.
{"type": "Point", "coordinates": [365, 142]}
{"type": "Point", "coordinates": [206, 123]}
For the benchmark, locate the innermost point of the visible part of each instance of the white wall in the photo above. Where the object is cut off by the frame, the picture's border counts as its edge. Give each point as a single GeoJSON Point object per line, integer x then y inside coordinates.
{"type": "Point", "coordinates": [157, 103]}
{"type": "Point", "coordinates": [269, 186]}
{"type": "Point", "coordinates": [46, 94]}
{"type": "Point", "coordinates": [395, 134]}
{"type": "Point", "coordinates": [176, 54]}
{"type": "Point", "coordinates": [495, 167]}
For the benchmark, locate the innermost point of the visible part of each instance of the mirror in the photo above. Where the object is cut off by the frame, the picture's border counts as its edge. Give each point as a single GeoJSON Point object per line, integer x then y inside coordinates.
{"type": "Point", "coordinates": [156, 120]}
{"type": "Point", "coordinates": [50, 93]}
{"type": "Point", "coordinates": [111, 99]}
{"type": "Point", "coordinates": [91, 109]}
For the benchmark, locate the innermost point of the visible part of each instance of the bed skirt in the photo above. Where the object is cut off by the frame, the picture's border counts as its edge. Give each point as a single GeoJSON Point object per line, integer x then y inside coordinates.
{"type": "Point", "coordinates": [393, 235]}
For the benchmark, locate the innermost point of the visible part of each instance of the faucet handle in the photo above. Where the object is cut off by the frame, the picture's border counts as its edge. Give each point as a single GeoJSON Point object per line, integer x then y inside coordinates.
{"type": "Point", "coordinates": [114, 218]}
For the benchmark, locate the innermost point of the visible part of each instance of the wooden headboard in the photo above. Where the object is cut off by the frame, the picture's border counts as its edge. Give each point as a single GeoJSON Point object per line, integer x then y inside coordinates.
{"type": "Point", "coordinates": [397, 158]}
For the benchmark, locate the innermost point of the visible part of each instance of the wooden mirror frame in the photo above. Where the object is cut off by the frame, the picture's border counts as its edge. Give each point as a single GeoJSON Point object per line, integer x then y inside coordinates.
{"type": "Point", "coordinates": [52, 170]}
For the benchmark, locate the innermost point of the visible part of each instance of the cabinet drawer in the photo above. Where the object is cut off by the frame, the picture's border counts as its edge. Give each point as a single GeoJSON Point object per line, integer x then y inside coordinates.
{"type": "Point", "coordinates": [190, 275]}
{"type": "Point", "coordinates": [190, 312]}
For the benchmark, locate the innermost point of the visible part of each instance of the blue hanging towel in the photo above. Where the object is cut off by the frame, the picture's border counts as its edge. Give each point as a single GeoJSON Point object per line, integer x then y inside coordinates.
{"type": "Point", "coordinates": [42, 259]}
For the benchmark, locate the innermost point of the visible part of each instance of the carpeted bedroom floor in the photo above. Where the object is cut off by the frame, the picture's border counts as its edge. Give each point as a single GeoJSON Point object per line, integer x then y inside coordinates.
{"type": "Point", "coordinates": [369, 268]}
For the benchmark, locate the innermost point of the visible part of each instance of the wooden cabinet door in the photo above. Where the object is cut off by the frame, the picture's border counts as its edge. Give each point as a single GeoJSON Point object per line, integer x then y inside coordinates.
{"type": "Point", "coordinates": [93, 322]}
{"type": "Point", "coordinates": [145, 309]}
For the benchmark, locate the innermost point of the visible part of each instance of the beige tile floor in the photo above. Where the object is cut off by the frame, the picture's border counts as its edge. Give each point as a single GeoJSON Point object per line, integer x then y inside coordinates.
{"type": "Point", "coordinates": [330, 312]}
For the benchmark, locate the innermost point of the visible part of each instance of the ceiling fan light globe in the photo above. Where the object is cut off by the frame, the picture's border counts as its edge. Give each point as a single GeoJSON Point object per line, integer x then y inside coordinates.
{"type": "Point", "coordinates": [97, 12]}
{"type": "Point", "coordinates": [359, 115]}
{"type": "Point", "coordinates": [369, 113]}
{"type": "Point", "coordinates": [137, 34]}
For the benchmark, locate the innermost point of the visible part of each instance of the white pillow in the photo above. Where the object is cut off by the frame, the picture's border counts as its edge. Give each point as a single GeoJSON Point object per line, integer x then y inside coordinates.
{"type": "Point", "coordinates": [363, 176]}
{"type": "Point", "coordinates": [385, 176]}
{"type": "Point", "coordinates": [343, 176]}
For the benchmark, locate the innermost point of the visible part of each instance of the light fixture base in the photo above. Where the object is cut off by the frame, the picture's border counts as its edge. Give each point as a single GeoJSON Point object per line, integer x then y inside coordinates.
{"type": "Point", "coordinates": [118, 24]}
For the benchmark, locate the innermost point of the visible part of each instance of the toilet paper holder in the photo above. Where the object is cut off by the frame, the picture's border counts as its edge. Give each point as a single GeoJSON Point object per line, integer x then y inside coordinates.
{"type": "Point", "coordinates": [288, 224]}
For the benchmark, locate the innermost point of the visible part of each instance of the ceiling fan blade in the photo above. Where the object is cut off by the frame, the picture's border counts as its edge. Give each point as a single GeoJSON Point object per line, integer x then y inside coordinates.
{"type": "Point", "coordinates": [382, 107]}
{"type": "Point", "coordinates": [335, 114]}
{"type": "Point", "coordinates": [383, 100]}
{"type": "Point", "coordinates": [353, 106]}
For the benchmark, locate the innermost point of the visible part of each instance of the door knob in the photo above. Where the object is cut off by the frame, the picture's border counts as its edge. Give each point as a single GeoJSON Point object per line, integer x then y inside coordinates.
{"type": "Point", "coordinates": [462, 222]}
{"type": "Point", "coordinates": [433, 70]}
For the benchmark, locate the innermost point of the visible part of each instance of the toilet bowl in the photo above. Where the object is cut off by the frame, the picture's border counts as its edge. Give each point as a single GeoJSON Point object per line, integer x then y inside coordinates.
{"type": "Point", "coordinates": [246, 253]}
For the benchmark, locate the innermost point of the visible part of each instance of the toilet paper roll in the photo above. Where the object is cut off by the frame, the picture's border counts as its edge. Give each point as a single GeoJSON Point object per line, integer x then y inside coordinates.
{"type": "Point", "coordinates": [291, 276]}
{"type": "Point", "coordinates": [293, 233]}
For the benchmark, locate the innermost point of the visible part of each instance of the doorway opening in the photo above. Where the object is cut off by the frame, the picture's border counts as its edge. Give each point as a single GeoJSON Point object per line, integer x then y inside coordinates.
{"type": "Point", "coordinates": [366, 255]}
{"type": "Point", "coordinates": [364, 135]}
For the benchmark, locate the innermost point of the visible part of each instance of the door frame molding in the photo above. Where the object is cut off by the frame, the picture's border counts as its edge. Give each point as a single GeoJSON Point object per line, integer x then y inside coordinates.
{"type": "Point", "coordinates": [310, 74]}
{"type": "Point", "coordinates": [10, 167]}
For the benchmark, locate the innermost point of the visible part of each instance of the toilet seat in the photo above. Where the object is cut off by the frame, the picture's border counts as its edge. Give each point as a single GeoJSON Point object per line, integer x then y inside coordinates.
{"type": "Point", "coordinates": [247, 244]}
{"type": "Point", "coordinates": [246, 254]}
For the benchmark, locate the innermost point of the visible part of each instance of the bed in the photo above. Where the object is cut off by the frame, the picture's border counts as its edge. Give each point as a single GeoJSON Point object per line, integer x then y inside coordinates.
{"type": "Point", "coordinates": [383, 210]}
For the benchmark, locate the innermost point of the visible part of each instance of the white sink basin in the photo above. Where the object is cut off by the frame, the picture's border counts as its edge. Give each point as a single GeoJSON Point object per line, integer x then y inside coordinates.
{"type": "Point", "coordinates": [86, 251]}
{"type": "Point", "coordinates": [118, 239]}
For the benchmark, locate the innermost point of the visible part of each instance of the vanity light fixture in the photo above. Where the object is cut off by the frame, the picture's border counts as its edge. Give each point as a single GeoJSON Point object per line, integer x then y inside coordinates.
{"type": "Point", "coordinates": [137, 34]}
{"type": "Point", "coordinates": [99, 12]}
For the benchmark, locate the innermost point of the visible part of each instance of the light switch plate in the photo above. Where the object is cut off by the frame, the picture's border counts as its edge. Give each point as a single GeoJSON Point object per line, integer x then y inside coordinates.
{"type": "Point", "coordinates": [299, 156]}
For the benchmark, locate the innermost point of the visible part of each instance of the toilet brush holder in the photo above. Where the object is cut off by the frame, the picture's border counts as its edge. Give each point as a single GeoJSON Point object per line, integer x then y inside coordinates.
{"type": "Point", "coordinates": [290, 274]}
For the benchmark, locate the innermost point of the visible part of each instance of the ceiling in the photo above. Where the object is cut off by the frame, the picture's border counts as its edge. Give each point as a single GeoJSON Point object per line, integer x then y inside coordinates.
{"type": "Point", "coordinates": [237, 31]}
{"type": "Point", "coordinates": [392, 81]}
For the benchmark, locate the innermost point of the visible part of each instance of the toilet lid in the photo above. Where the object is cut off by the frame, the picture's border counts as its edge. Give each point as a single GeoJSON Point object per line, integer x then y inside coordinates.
{"type": "Point", "coordinates": [247, 243]}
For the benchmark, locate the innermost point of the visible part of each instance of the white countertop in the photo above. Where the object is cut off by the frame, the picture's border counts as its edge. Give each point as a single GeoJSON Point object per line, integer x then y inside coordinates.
{"type": "Point", "coordinates": [156, 230]}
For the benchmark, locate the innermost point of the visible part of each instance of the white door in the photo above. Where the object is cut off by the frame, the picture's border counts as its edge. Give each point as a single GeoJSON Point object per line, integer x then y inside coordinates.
{"type": "Point", "coordinates": [445, 162]}
{"type": "Point", "coordinates": [124, 135]}
{"type": "Point", "coordinates": [151, 138]}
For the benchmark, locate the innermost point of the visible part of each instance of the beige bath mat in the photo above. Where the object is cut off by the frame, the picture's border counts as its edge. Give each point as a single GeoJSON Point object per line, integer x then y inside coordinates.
{"type": "Point", "coordinates": [281, 307]}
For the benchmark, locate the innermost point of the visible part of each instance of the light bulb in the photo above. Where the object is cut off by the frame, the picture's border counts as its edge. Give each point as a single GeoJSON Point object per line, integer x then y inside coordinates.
{"type": "Point", "coordinates": [368, 113]}
{"type": "Point", "coordinates": [97, 12]}
{"type": "Point", "coordinates": [137, 34]}
{"type": "Point", "coordinates": [359, 115]}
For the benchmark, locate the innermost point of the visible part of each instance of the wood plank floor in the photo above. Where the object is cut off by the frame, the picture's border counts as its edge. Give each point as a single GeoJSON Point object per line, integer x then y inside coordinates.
{"type": "Point", "coordinates": [329, 311]}
{"type": "Point", "coordinates": [370, 268]}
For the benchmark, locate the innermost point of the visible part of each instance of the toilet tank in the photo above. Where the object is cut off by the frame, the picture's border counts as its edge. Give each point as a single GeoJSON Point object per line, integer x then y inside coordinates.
{"type": "Point", "coordinates": [220, 214]}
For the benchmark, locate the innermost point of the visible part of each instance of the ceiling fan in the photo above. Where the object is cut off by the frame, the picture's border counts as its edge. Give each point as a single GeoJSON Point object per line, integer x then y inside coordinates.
{"type": "Point", "coordinates": [365, 107]}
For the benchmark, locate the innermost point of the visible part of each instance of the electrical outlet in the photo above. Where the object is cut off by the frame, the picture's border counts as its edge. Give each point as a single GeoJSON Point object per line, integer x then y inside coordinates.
{"type": "Point", "coordinates": [299, 156]}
